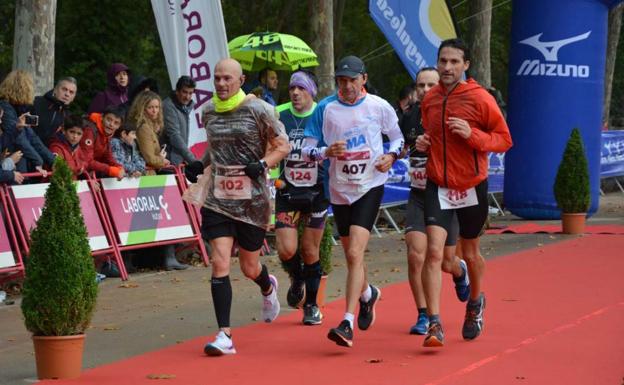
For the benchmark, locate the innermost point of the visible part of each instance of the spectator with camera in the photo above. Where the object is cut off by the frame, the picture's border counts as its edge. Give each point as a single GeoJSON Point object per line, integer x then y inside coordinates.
{"type": "Point", "coordinates": [8, 161]}
{"type": "Point", "coordinates": [16, 98]}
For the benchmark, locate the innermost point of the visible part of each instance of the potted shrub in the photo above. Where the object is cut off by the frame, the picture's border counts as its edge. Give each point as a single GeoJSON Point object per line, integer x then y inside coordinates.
{"type": "Point", "coordinates": [60, 289]}
{"type": "Point", "coordinates": [572, 185]}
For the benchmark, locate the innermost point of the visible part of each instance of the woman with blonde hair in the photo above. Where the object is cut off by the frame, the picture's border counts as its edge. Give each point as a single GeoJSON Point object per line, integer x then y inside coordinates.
{"type": "Point", "coordinates": [17, 93]}
{"type": "Point", "coordinates": [146, 115]}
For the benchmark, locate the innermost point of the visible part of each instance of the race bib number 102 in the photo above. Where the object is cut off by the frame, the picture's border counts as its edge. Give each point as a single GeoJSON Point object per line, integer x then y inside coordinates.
{"type": "Point", "coordinates": [231, 183]}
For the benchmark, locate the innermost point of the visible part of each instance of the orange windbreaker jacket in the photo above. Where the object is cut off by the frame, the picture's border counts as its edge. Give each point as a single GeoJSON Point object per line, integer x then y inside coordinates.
{"type": "Point", "coordinates": [455, 162]}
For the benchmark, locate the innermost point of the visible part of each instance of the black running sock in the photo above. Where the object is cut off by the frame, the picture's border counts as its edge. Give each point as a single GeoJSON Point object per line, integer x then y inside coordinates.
{"type": "Point", "coordinates": [293, 267]}
{"type": "Point", "coordinates": [312, 276]}
{"type": "Point", "coordinates": [434, 318]}
{"type": "Point", "coordinates": [221, 289]}
{"type": "Point", "coordinates": [422, 310]}
{"type": "Point", "coordinates": [263, 280]}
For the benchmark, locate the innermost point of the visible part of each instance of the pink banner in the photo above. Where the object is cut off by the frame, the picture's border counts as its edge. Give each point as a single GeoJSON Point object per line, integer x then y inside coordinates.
{"type": "Point", "coordinates": [6, 255]}
{"type": "Point", "coordinates": [147, 209]}
{"type": "Point", "coordinates": [30, 200]}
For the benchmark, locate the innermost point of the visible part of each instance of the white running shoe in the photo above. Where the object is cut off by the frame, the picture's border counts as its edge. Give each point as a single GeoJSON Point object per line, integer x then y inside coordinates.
{"type": "Point", "coordinates": [270, 303]}
{"type": "Point", "coordinates": [220, 346]}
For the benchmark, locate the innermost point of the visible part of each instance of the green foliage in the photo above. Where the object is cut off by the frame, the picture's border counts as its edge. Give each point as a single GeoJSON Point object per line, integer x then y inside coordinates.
{"type": "Point", "coordinates": [325, 249]}
{"type": "Point", "coordinates": [572, 183]}
{"type": "Point", "coordinates": [59, 290]}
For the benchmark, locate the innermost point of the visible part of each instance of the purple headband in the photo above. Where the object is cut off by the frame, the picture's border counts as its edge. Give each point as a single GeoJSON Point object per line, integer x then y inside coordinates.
{"type": "Point", "coordinates": [304, 81]}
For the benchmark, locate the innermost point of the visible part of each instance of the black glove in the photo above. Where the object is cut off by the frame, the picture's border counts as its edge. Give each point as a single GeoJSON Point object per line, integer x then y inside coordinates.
{"type": "Point", "coordinates": [191, 171]}
{"type": "Point", "coordinates": [255, 169]}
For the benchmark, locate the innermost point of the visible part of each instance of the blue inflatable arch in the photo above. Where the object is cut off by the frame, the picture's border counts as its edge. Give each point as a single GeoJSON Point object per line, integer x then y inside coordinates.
{"type": "Point", "coordinates": [556, 83]}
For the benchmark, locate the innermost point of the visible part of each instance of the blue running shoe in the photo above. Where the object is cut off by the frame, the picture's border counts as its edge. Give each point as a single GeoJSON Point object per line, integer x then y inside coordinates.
{"type": "Point", "coordinates": [422, 324]}
{"type": "Point", "coordinates": [462, 284]}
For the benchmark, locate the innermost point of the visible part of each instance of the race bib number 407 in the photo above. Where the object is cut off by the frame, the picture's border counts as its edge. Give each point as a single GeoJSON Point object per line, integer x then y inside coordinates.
{"type": "Point", "coordinates": [232, 183]}
{"type": "Point", "coordinates": [354, 167]}
{"type": "Point", "coordinates": [457, 199]}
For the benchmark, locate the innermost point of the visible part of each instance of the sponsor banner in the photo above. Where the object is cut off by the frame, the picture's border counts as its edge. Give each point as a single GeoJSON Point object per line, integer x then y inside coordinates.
{"type": "Point", "coordinates": [563, 64]}
{"type": "Point", "coordinates": [612, 154]}
{"type": "Point", "coordinates": [496, 172]}
{"type": "Point", "coordinates": [192, 34]}
{"type": "Point", "coordinates": [30, 199]}
{"type": "Point", "coordinates": [6, 255]}
{"type": "Point", "coordinates": [414, 28]}
{"type": "Point", "coordinates": [147, 209]}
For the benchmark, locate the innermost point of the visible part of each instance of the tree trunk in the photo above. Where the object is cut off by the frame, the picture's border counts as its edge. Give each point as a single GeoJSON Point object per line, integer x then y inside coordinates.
{"type": "Point", "coordinates": [339, 6]}
{"type": "Point", "coordinates": [33, 45]}
{"type": "Point", "coordinates": [615, 24]}
{"type": "Point", "coordinates": [480, 28]}
{"type": "Point", "coordinates": [322, 23]}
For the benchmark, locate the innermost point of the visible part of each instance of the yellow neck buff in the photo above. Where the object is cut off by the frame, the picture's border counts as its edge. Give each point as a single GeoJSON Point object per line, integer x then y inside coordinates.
{"type": "Point", "coordinates": [228, 104]}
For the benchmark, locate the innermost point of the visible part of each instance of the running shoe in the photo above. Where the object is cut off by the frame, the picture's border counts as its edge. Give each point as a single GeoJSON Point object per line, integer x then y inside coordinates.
{"type": "Point", "coordinates": [342, 335]}
{"type": "Point", "coordinates": [435, 336]}
{"type": "Point", "coordinates": [270, 303]}
{"type": "Point", "coordinates": [422, 324]}
{"type": "Point", "coordinates": [462, 284]}
{"type": "Point", "coordinates": [220, 346]}
{"type": "Point", "coordinates": [312, 315]}
{"type": "Point", "coordinates": [473, 323]}
{"type": "Point", "coordinates": [296, 294]}
{"type": "Point", "coordinates": [366, 316]}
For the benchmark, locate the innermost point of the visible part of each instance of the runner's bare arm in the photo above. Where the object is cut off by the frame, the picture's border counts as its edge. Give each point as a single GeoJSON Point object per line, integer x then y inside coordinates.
{"type": "Point", "coordinates": [278, 148]}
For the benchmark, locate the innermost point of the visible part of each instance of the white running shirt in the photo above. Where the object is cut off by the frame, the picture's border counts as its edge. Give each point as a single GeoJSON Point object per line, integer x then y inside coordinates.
{"type": "Point", "coordinates": [361, 126]}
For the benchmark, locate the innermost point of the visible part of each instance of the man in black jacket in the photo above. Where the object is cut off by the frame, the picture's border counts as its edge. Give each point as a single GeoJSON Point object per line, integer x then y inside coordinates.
{"type": "Point", "coordinates": [53, 106]}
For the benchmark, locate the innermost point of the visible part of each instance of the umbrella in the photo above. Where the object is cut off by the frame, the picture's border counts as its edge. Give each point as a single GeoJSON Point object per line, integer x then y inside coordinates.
{"type": "Point", "coordinates": [277, 51]}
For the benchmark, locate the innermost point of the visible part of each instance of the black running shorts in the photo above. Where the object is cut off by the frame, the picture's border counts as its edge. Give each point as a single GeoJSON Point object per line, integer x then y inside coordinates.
{"type": "Point", "coordinates": [362, 212]}
{"type": "Point", "coordinates": [415, 217]}
{"type": "Point", "coordinates": [471, 219]}
{"type": "Point", "coordinates": [216, 225]}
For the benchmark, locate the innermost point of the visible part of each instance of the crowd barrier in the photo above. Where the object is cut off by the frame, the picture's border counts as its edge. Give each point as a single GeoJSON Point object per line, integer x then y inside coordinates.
{"type": "Point", "coordinates": [119, 215]}
{"type": "Point", "coordinates": [149, 211]}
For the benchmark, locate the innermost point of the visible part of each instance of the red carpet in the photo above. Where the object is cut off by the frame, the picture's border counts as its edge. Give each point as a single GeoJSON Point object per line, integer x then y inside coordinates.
{"type": "Point", "coordinates": [532, 228]}
{"type": "Point", "coordinates": [554, 316]}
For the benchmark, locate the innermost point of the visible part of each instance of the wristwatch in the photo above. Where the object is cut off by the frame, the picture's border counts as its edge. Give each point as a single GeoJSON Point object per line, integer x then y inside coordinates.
{"type": "Point", "coordinates": [264, 164]}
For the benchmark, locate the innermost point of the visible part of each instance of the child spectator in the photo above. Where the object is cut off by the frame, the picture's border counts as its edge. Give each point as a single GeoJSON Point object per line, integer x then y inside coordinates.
{"type": "Point", "coordinates": [66, 144]}
{"type": "Point", "coordinates": [96, 142]}
{"type": "Point", "coordinates": [147, 117]}
{"type": "Point", "coordinates": [116, 92]}
{"type": "Point", "coordinates": [126, 152]}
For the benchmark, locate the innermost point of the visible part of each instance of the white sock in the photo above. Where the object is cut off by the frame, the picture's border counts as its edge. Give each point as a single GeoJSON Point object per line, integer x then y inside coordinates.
{"type": "Point", "coordinates": [349, 317]}
{"type": "Point", "coordinates": [367, 294]}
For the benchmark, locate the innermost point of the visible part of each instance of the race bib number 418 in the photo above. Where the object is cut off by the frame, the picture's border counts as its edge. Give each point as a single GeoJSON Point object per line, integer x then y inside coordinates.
{"type": "Point", "coordinates": [457, 199]}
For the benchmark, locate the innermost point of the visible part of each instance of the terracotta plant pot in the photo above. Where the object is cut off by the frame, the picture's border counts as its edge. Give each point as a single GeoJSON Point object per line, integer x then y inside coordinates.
{"type": "Point", "coordinates": [320, 295]}
{"type": "Point", "coordinates": [573, 223]}
{"type": "Point", "coordinates": [59, 357]}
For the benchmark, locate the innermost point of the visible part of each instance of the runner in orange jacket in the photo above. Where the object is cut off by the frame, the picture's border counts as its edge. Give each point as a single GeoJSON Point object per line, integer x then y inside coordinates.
{"type": "Point", "coordinates": [462, 124]}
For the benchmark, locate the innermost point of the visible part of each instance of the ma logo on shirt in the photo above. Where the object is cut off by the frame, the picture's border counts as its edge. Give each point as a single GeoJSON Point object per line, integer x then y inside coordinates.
{"type": "Point", "coordinates": [355, 141]}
